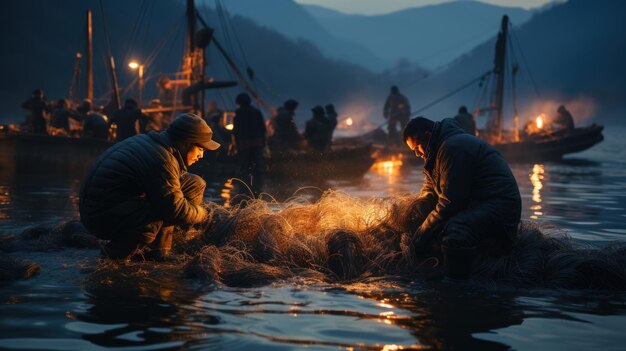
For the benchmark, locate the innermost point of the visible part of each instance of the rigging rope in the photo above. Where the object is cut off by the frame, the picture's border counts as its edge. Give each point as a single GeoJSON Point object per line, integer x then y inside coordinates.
{"type": "Point", "coordinates": [532, 79]}
{"type": "Point", "coordinates": [436, 101]}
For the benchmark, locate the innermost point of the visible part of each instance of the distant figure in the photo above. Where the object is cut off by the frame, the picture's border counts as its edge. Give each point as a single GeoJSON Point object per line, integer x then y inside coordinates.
{"type": "Point", "coordinates": [332, 115]}
{"type": "Point", "coordinates": [248, 142]}
{"type": "Point", "coordinates": [318, 129]}
{"type": "Point", "coordinates": [38, 108]}
{"type": "Point", "coordinates": [466, 121]}
{"type": "Point", "coordinates": [397, 110]}
{"type": "Point", "coordinates": [286, 137]}
{"type": "Point", "coordinates": [83, 109]}
{"type": "Point", "coordinates": [564, 118]}
{"type": "Point", "coordinates": [470, 201]}
{"type": "Point", "coordinates": [127, 120]}
{"type": "Point", "coordinates": [60, 121]}
{"type": "Point", "coordinates": [96, 125]}
{"type": "Point", "coordinates": [214, 118]}
{"type": "Point", "coordinates": [166, 92]}
{"type": "Point", "coordinates": [153, 120]}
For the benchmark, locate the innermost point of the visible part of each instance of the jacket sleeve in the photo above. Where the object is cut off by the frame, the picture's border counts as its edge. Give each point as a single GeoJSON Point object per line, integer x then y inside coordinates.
{"type": "Point", "coordinates": [168, 199]}
{"type": "Point", "coordinates": [454, 164]}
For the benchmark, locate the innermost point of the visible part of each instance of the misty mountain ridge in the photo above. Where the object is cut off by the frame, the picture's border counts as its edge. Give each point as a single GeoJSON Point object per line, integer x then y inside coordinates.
{"type": "Point", "coordinates": [429, 36]}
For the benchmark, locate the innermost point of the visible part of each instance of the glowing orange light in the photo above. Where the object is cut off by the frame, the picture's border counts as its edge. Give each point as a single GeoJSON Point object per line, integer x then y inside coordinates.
{"type": "Point", "coordinates": [539, 121]}
{"type": "Point", "coordinates": [349, 122]}
{"type": "Point", "coordinates": [230, 126]}
{"type": "Point", "coordinates": [133, 65]}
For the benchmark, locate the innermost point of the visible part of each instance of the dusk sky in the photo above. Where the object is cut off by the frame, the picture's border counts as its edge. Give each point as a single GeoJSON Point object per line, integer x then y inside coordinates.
{"type": "Point", "coordinates": [372, 7]}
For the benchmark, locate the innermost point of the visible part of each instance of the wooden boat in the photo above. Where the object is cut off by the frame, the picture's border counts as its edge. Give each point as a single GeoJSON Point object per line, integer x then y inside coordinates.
{"type": "Point", "coordinates": [546, 145]}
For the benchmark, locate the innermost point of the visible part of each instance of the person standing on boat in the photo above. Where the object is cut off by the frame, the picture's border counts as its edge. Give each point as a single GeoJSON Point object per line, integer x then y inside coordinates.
{"type": "Point", "coordinates": [127, 120]}
{"type": "Point", "coordinates": [248, 142]}
{"type": "Point", "coordinates": [397, 110]}
{"type": "Point", "coordinates": [61, 115]}
{"type": "Point", "coordinates": [564, 118]}
{"type": "Point", "coordinates": [470, 197]}
{"type": "Point", "coordinates": [318, 129]}
{"type": "Point", "coordinates": [38, 108]}
{"type": "Point", "coordinates": [286, 137]}
{"type": "Point", "coordinates": [139, 189]}
{"type": "Point", "coordinates": [466, 121]}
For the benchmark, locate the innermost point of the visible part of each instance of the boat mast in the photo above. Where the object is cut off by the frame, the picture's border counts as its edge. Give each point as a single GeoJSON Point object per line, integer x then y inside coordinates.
{"type": "Point", "coordinates": [89, 52]}
{"type": "Point", "coordinates": [499, 71]}
{"type": "Point", "coordinates": [111, 62]}
{"type": "Point", "coordinates": [194, 62]}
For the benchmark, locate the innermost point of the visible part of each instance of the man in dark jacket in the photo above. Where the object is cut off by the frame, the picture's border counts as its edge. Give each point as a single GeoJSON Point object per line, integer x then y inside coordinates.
{"type": "Point", "coordinates": [466, 121]}
{"type": "Point", "coordinates": [248, 142]}
{"type": "Point", "coordinates": [470, 197]}
{"type": "Point", "coordinates": [396, 110]}
{"type": "Point", "coordinates": [139, 189]}
{"type": "Point", "coordinates": [286, 137]}
{"type": "Point", "coordinates": [127, 120]}
{"type": "Point", "coordinates": [564, 119]}
{"type": "Point", "coordinates": [319, 129]}
{"type": "Point", "coordinates": [38, 108]}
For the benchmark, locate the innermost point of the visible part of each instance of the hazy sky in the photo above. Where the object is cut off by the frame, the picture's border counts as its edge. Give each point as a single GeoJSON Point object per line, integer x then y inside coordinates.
{"type": "Point", "coordinates": [370, 7]}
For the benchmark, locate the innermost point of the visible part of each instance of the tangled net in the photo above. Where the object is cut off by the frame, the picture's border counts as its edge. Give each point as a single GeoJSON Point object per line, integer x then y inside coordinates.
{"type": "Point", "coordinates": [346, 239]}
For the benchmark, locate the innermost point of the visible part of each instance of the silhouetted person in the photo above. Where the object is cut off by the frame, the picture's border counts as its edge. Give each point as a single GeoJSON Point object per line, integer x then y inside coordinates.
{"type": "Point", "coordinates": [564, 118]}
{"type": "Point", "coordinates": [37, 107]}
{"type": "Point", "coordinates": [470, 200]}
{"type": "Point", "coordinates": [61, 117]}
{"type": "Point", "coordinates": [397, 110]}
{"type": "Point", "coordinates": [96, 125]}
{"type": "Point", "coordinates": [127, 120]}
{"type": "Point", "coordinates": [248, 141]}
{"type": "Point", "coordinates": [318, 129]}
{"type": "Point", "coordinates": [154, 120]}
{"type": "Point", "coordinates": [466, 121]}
{"type": "Point", "coordinates": [286, 137]}
{"type": "Point", "coordinates": [214, 117]}
{"type": "Point", "coordinates": [332, 115]}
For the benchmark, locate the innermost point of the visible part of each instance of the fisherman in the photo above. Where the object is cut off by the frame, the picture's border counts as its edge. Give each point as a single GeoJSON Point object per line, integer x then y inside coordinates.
{"type": "Point", "coordinates": [248, 142]}
{"type": "Point", "coordinates": [332, 115]}
{"type": "Point", "coordinates": [153, 120]}
{"type": "Point", "coordinates": [466, 121]}
{"type": "Point", "coordinates": [127, 120]}
{"type": "Point", "coordinates": [38, 108]}
{"type": "Point", "coordinates": [470, 200]}
{"type": "Point", "coordinates": [139, 189]}
{"type": "Point", "coordinates": [397, 110]}
{"type": "Point", "coordinates": [318, 129]}
{"type": "Point", "coordinates": [61, 118]}
{"type": "Point", "coordinates": [286, 137]}
{"type": "Point", "coordinates": [564, 118]}
{"type": "Point", "coordinates": [96, 125]}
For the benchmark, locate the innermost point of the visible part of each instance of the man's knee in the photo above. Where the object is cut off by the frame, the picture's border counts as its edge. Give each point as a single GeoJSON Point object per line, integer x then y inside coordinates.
{"type": "Point", "coordinates": [457, 234]}
{"type": "Point", "coordinates": [193, 187]}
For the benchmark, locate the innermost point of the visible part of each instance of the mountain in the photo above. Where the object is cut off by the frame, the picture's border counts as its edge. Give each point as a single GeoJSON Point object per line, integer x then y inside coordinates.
{"type": "Point", "coordinates": [572, 53]}
{"type": "Point", "coordinates": [41, 37]}
{"type": "Point", "coordinates": [293, 21]}
{"type": "Point", "coordinates": [428, 36]}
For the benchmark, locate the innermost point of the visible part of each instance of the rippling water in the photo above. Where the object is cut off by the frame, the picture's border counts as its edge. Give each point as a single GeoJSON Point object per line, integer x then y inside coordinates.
{"type": "Point", "coordinates": [584, 195]}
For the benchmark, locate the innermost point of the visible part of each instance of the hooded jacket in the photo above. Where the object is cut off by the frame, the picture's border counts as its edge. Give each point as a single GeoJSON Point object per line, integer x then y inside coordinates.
{"type": "Point", "coordinates": [461, 172]}
{"type": "Point", "coordinates": [137, 180]}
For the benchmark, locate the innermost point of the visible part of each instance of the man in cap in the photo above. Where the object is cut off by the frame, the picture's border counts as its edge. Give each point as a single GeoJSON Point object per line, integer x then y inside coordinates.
{"type": "Point", "coordinates": [139, 189]}
{"type": "Point", "coordinates": [470, 201]}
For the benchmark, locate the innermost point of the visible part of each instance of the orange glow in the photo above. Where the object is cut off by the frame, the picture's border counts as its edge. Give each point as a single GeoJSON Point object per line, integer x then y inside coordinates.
{"type": "Point", "coordinates": [133, 65]}
{"type": "Point", "coordinates": [539, 121]}
{"type": "Point", "coordinates": [349, 122]}
{"type": "Point", "coordinates": [229, 126]}
{"type": "Point", "coordinates": [536, 179]}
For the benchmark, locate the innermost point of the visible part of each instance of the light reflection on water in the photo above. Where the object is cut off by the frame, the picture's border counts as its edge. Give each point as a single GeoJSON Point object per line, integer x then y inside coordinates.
{"type": "Point", "coordinates": [585, 195]}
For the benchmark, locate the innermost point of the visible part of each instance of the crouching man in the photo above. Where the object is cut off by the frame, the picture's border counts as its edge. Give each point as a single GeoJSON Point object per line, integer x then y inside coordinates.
{"type": "Point", "coordinates": [139, 189]}
{"type": "Point", "coordinates": [470, 196]}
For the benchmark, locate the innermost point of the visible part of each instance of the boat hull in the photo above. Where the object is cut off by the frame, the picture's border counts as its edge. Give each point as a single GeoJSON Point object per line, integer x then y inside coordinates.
{"type": "Point", "coordinates": [552, 147]}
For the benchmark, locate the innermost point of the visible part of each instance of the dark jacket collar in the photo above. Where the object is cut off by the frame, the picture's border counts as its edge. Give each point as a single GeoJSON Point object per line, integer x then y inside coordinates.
{"type": "Point", "coordinates": [164, 140]}
{"type": "Point", "coordinates": [441, 131]}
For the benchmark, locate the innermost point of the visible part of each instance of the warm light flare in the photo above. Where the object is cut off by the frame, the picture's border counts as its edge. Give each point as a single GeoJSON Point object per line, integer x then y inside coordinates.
{"type": "Point", "coordinates": [133, 65]}
{"type": "Point", "coordinates": [230, 126]}
{"type": "Point", "coordinates": [539, 121]}
{"type": "Point", "coordinates": [349, 122]}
